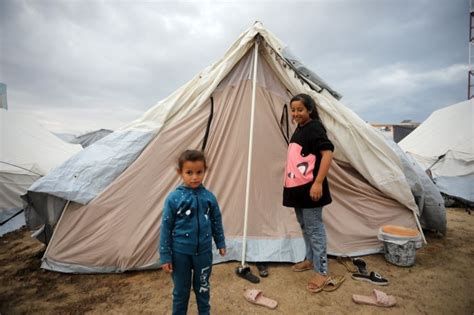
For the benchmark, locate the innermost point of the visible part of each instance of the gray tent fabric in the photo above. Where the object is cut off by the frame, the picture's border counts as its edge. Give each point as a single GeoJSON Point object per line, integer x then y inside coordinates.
{"type": "Point", "coordinates": [427, 195]}
{"type": "Point", "coordinates": [308, 74]}
{"type": "Point", "coordinates": [89, 138]}
{"type": "Point", "coordinates": [86, 174]}
{"type": "Point", "coordinates": [42, 212]}
{"type": "Point", "coordinates": [454, 183]}
{"type": "Point", "coordinates": [85, 139]}
{"type": "Point", "coordinates": [67, 137]}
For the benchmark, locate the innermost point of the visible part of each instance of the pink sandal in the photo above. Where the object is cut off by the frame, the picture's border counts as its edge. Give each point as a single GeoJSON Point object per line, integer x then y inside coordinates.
{"type": "Point", "coordinates": [256, 297]}
{"type": "Point", "coordinates": [379, 298]}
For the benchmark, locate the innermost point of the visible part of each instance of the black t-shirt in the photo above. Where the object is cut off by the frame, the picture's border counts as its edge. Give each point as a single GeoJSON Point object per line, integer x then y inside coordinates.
{"type": "Point", "coordinates": [302, 166]}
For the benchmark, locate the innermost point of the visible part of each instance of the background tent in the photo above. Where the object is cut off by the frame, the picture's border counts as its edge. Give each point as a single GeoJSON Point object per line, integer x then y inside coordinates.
{"type": "Point", "coordinates": [111, 194]}
{"type": "Point", "coordinates": [444, 144]}
{"type": "Point", "coordinates": [27, 152]}
{"type": "Point", "coordinates": [85, 139]}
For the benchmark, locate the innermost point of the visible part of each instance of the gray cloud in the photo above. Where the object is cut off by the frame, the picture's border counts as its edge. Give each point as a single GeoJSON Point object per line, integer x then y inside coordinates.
{"type": "Point", "coordinates": [98, 64]}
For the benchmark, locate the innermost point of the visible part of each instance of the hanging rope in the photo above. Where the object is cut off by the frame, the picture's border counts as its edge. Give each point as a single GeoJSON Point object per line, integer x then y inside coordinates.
{"type": "Point", "coordinates": [284, 122]}
{"type": "Point", "coordinates": [208, 127]}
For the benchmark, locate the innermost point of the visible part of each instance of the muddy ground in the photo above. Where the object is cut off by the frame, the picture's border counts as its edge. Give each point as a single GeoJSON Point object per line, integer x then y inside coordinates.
{"type": "Point", "coordinates": [441, 282]}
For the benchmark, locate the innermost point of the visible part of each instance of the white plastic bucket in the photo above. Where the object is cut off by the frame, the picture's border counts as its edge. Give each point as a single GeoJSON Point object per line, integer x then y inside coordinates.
{"type": "Point", "coordinates": [400, 250]}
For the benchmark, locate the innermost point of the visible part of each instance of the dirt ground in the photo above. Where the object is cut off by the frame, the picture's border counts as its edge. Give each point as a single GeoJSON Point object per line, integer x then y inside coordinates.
{"type": "Point", "coordinates": [441, 282]}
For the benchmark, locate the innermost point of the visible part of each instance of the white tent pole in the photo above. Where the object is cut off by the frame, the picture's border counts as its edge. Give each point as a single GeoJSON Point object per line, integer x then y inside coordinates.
{"type": "Point", "coordinates": [419, 228]}
{"type": "Point", "coordinates": [249, 159]}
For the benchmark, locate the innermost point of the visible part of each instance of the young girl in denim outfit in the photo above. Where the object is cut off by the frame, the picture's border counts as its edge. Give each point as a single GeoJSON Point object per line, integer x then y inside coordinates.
{"type": "Point", "coordinates": [191, 219]}
{"type": "Point", "coordinates": [306, 187]}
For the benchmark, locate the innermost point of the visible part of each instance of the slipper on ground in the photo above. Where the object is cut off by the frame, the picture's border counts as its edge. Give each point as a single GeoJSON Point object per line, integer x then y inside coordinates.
{"type": "Point", "coordinates": [317, 283]}
{"type": "Point", "coordinates": [262, 269]}
{"type": "Point", "coordinates": [333, 283]}
{"type": "Point", "coordinates": [378, 298]}
{"type": "Point", "coordinates": [361, 265]}
{"type": "Point", "coordinates": [345, 262]}
{"type": "Point", "coordinates": [256, 297]}
{"type": "Point", "coordinates": [302, 266]}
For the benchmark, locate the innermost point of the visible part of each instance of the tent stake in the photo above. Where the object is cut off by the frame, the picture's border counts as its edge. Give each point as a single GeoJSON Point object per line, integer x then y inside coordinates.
{"type": "Point", "coordinates": [249, 159]}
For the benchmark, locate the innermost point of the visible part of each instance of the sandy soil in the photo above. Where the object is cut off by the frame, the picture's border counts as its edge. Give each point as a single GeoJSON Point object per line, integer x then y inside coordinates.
{"type": "Point", "coordinates": [441, 282]}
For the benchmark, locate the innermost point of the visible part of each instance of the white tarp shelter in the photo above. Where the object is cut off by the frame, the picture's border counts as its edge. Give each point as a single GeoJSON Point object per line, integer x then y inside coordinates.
{"type": "Point", "coordinates": [444, 144]}
{"type": "Point", "coordinates": [27, 152]}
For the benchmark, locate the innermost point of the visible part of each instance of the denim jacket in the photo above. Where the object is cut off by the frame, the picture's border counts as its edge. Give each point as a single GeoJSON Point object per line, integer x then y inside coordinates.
{"type": "Point", "coordinates": [191, 219]}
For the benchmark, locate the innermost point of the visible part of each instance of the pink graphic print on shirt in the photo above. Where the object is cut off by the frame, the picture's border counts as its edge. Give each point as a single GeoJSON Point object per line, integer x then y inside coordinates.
{"type": "Point", "coordinates": [299, 169]}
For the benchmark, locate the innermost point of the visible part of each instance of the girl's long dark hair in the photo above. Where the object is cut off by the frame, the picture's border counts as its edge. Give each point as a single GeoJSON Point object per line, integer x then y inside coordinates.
{"type": "Point", "coordinates": [309, 103]}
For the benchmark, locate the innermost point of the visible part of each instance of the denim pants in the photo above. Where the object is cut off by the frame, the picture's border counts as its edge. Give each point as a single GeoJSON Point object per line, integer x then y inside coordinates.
{"type": "Point", "coordinates": [195, 268]}
{"type": "Point", "coordinates": [314, 234]}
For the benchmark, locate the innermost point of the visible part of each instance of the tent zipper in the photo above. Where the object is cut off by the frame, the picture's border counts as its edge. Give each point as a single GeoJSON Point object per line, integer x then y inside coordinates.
{"type": "Point", "coordinates": [197, 219]}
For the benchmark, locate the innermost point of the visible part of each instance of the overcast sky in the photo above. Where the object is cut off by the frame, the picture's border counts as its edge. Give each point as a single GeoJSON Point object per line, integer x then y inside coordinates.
{"type": "Point", "coordinates": [84, 65]}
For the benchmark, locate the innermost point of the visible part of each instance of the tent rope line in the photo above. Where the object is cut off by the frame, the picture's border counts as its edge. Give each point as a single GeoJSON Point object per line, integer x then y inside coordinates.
{"type": "Point", "coordinates": [21, 168]}
{"type": "Point", "coordinates": [2, 223]}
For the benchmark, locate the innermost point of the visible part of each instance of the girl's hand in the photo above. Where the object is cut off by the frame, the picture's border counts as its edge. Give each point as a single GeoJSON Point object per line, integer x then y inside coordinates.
{"type": "Point", "coordinates": [168, 267]}
{"type": "Point", "coordinates": [222, 251]}
{"type": "Point", "coordinates": [316, 191]}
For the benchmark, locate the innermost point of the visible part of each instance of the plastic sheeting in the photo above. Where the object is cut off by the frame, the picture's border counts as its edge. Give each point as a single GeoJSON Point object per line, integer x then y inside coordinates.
{"type": "Point", "coordinates": [86, 174]}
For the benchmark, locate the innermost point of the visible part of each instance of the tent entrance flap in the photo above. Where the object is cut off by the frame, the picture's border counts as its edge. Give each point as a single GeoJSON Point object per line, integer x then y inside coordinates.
{"type": "Point", "coordinates": [249, 159]}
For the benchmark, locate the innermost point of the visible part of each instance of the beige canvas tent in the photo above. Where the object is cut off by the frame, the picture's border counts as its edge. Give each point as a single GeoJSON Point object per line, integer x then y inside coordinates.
{"type": "Point", "coordinates": [236, 110]}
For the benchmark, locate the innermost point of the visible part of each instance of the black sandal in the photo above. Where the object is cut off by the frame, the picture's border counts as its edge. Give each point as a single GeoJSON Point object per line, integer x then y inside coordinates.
{"type": "Point", "coordinates": [374, 278]}
{"type": "Point", "coordinates": [262, 269]}
{"type": "Point", "coordinates": [246, 273]}
{"type": "Point", "coordinates": [361, 266]}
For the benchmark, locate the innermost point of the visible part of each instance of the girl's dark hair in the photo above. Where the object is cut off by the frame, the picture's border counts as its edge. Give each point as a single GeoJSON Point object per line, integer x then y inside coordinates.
{"type": "Point", "coordinates": [191, 156]}
{"type": "Point", "coordinates": [309, 103]}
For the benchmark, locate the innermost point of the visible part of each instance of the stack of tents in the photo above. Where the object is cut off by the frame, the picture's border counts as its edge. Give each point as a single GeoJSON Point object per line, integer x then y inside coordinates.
{"type": "Point", "coordinates": [110, 196]}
